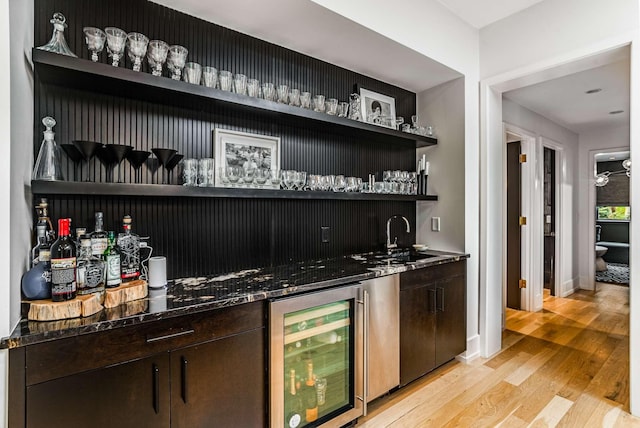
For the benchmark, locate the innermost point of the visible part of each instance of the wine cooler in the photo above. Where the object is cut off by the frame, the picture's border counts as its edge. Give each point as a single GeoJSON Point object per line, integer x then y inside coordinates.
{"type": "Point", "coordinates": [316, 359]}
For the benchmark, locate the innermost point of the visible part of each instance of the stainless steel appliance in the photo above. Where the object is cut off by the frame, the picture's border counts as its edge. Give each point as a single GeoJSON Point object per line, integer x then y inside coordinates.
{"type": "Point", "coordinates": [316, 347]}
{"type": "Point", "coordinates": [382, 335]}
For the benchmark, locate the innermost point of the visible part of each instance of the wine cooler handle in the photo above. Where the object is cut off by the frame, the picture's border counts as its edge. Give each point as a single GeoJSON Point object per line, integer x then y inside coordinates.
{"type": "Point", "coordinates": [365, 386]}
{"type": "Point", "coordinates": [156, 389]}
{"type": "Point", "coordinates": [440, 298]}
{"type": "Point", "coordinates": [432, 300]}
{"type": "Point", "coordinates": [184, 380]}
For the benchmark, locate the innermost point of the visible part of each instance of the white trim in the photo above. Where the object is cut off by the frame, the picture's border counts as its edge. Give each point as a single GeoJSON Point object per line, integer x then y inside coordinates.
{"type": "Point", "coordinates": [568, 288]}
{"type": "Point", "coordinates": [473, 349]}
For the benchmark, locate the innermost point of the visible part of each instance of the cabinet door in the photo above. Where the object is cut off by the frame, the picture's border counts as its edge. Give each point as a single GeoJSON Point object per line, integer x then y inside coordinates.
{"type": "Point", "coordinates": [220, 383]}
{"type": "Point", "coordinates": [417, 333]}
{"type": "Point", "coordinates": [451, 324]}
{"type": "Point", "coordinates": [133, 394]}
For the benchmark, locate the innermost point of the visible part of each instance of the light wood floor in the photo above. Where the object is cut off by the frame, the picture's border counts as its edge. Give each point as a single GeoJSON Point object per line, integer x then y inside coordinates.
{"type": "Point", "coordinates": [567, 365]}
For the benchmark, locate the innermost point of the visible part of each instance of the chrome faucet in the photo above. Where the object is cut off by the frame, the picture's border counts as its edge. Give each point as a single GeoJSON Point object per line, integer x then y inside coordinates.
{"type": "Point", "coordinates": [395, 240]}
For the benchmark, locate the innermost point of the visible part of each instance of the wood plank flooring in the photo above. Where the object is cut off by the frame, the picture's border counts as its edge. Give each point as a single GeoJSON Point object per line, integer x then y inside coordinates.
{"type": "Point", "coordinates": [566, 366]}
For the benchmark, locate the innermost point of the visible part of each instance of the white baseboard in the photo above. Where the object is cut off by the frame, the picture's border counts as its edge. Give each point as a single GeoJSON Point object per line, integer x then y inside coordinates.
{"type": "Point", "coordinates": [473, 350]}
{"type": "Point", "coordinates": [569, 287]}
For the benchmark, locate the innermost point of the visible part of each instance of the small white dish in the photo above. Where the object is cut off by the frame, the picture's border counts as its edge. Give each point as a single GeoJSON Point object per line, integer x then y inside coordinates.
{"type": "Point", "coordinates": [419, 247]}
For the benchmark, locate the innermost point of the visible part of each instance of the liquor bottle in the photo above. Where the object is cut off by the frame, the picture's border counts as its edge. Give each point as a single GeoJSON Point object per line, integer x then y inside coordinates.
{"type": "Point", "coordinates": [112, 261]}
{"type": "Point", "coordinates": [99, 237]}
{"type": "Point", "coordinates": [310, 395]}
{"type": "Point", "coordinates": [294, 407]}
{"type": "Point", "coordinates": [129, 244]}
{"type": "Point", "coordinates": [42, 241]}
{"type": "Point", "coordinates": [42, 209]}
{"type": "Point", "coordinates": [90, 274]}
{"type": "Point", "coordinates": [36, 282]}
{"type": "Point", "coordinates": [63, 264]}
{"type": "Point", "coordinates": [79, 232]}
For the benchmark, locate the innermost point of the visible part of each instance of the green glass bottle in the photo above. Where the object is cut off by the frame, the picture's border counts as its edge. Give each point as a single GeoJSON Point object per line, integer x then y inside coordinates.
{"type": "Point", "coordinates": [112, 261]}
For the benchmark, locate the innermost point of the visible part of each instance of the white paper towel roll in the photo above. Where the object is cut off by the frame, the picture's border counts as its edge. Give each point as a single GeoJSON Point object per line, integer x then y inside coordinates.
{"type": "Point", "coordinates": [157, 271]}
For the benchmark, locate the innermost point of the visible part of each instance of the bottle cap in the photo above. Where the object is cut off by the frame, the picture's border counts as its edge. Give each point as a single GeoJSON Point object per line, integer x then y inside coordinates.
{"type": "Point", "coordinates": [63, 226]}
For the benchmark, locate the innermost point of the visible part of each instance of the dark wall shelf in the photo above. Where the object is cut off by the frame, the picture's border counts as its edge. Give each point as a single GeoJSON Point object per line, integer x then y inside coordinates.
{"type": "Point", "coordinates": [87, 75]}
{"type": "Point", "coordinates": [172, 191]}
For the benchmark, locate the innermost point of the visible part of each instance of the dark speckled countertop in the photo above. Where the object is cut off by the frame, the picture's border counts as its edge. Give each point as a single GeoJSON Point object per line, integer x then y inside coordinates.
{"type": "Point", "coordinates": [189, 295]}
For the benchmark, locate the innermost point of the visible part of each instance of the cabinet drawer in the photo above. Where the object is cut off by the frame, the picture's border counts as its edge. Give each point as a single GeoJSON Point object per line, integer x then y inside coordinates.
{"type": "Point", "coordinates": [63, 357]}
{"type": "Point", "coordinates": [428, 275]}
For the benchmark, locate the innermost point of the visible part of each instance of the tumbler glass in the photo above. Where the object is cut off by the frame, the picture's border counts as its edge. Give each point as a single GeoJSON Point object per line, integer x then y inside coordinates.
{"type": "Point", "coordinates": [189, 172]}
{"type": "Point", "coordinates": [294, 97]}
{"type": "Point", "coordinates": [268, 91]}
{"type": "Point", "coordinates": [192, 73]}
{"type": "Point", "coordinates": [209, 76]}
{"type": "Point", "coordinates": [305, 100]}
{"type": "Point", "coordinates": [318, 103]}
{"type": "Point", "coordinates": [331, 106]}
{"type": "Point", "coordinates": [253, 87]}
{"type": "Point", "coordinates": [224, 79]}
{"type": "Point", "coordinates": [240, 84]}
{"type": "Point", "coordinates": [206, 169]}
{"type": "Point", "coordinates": [283, 94]}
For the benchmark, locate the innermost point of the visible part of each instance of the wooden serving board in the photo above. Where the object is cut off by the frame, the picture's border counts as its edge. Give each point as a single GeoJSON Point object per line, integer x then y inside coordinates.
{"type": "Point", "coordinates": [127, 292]}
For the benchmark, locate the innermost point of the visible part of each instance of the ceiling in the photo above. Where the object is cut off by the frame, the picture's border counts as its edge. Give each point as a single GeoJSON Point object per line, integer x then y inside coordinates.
{"type": "Point", "coordinates": [480, 13]}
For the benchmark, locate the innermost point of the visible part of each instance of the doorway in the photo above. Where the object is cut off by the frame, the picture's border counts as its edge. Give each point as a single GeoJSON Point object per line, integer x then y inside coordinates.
{"type": "Point", "coordinates": [549, 206]}
{"type": "Point", "coordinates": [514, 242]}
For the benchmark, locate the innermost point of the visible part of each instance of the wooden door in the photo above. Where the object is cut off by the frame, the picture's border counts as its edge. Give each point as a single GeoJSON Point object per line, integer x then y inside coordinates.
{"type": "Point", "coordinates": [133, 394]}
{"type": "Point", "coordinates": [451, 324]}
{"type": "Point", "coordinates": [417, 332]}
{"type": "Point", "coordinates": [220, 383]}
{"type": "Point", "coordinates": [513, 225]}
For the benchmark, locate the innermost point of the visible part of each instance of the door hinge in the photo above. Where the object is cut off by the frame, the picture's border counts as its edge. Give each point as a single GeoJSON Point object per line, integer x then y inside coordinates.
{"type": "Point", "coordinates": [522, 283]}
{"type": "Point", "coordinates": [523, 157]}
{"type": "Point", "coordinates": [522, 221]}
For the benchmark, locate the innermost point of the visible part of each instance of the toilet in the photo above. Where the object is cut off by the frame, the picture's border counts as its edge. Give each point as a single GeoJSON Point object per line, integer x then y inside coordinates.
{"type": "Point", "coordinates": [601, 265]}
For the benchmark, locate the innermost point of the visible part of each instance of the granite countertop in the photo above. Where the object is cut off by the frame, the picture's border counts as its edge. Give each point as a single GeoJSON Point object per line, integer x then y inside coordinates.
{"type": "Point", "coordinates": [189, 295]}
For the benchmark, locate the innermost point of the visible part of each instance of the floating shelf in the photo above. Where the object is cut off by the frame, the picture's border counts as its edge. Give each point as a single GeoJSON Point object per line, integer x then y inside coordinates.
{"type": "Point", "coordinates": [168, 190]}
{"type": "Point", "coordinates": [98, 77]}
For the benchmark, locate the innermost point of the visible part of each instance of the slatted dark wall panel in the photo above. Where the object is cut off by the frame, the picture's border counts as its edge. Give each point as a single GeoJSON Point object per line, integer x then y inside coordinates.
{"type": "Point", "coordinates": [202, 236]}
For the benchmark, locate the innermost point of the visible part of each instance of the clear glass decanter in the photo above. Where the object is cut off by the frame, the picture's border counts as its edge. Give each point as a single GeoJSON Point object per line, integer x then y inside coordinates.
{"type": "Point", "coordinates": [47, 165]}
{"type": "Point", "coordinates": [58, 44]}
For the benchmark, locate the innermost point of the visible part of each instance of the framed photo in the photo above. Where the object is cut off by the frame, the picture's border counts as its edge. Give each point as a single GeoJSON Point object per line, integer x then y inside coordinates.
{"type": "Point", "coordinates": [377, 109]}
{"type": "Point", "coordinates": [233, 148]}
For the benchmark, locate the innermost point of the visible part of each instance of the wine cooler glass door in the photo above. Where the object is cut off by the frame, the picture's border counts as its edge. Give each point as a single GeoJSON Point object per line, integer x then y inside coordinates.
{"type": "Point", "coordinates": [316, 359]}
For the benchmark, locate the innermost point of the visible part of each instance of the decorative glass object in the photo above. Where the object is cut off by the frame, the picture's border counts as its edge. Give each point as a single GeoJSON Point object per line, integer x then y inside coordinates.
{"type": "Point", "coordinates": [58, 44]}
{"type": "Point", "coordinates": [354, 107]}
{"type": "Point", "coordinates": [47, 165]}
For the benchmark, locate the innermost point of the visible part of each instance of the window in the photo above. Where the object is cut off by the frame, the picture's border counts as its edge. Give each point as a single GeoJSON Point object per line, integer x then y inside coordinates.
{"type": "Point", "coordinates": [614, 213]}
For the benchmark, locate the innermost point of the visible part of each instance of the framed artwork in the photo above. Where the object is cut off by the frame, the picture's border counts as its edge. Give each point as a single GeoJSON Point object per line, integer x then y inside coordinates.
{"type": "Point", "coordinates": [246, 151]}
{"type": "Point", "coordinates": [377, 109]}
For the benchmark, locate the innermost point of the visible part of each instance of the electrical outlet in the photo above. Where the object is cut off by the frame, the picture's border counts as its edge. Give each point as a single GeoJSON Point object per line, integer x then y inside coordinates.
{"type": "Point", "coordinates": [435, 224]}
{"type": "Point", "coordinates": [325, 233]}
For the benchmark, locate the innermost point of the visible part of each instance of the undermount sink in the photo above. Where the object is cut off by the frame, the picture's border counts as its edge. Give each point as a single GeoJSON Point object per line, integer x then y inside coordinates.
{"type": "Point", "coordinates": [403, 257]}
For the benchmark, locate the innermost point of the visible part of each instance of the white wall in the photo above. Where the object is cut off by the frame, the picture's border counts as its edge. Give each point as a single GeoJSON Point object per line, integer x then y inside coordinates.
{"type": "Point", "coordinates": [543, 128]}
{"type": "Point", "coordinates": [605, 139]}
{"type": "Point", "coordinates": [523, 48]}
{"type": "Point", "coordinates": [432, 30]}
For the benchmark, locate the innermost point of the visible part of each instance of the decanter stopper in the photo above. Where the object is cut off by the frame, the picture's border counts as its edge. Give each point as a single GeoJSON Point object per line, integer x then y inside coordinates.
{"type": "Point", "coordinates": [47, 165]}
{"type": "Point", "coordinates": [58, 44]}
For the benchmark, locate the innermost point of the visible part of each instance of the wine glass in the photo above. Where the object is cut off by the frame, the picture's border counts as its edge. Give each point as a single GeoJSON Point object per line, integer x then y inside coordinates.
{"type": "Point", "coordinates": [95, 39]}
{"type": "Point", "coordinates": [136, 159]}
{"type": "Point", "coordinates": [118, 152]}
{"type": "Point", "coordinates": [116, 41]}
{"type": "Point", "coordinates": [163, 155]}
{"type": "Point", "coordinates": [157, 55]}
{"type": "Point", "coordinates": [137, 44]}
{"type": "Point", "coordinates": [176, 59]}
{"type": "Point", "coordinates": [289, 178]}
{"type": "Point", "coordinates": [87, 149]}
{"type": "Point", "coordinates": [74, 155]}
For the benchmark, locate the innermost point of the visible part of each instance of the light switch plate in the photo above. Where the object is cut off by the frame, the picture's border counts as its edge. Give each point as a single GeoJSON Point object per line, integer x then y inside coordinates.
{"type": "Point", "coordinates": [435, 224]}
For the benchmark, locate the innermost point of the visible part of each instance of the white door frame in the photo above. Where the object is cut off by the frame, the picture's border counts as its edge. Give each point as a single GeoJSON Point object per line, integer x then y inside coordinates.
{"type": "Point", "coordinates": [492, 152]}
{"type": "Point", "coordinates": [531, 244]}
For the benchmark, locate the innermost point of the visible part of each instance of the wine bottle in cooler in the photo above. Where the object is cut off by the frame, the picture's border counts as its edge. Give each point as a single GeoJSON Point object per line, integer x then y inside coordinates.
{"type": "Point", "coordinates": [112, 261]}
{"type": "Point", "coordinates": [294, 408]}
{"type": "Point", "coordinates": [129, 244]}
{"type": "Point", "coordinates": [310, 395]}
{"type": "Point", "coordinates": [63, 264]}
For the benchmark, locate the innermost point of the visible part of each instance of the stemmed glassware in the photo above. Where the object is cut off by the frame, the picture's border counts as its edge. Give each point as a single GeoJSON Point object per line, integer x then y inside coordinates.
{"type": "Point", "coordinates": [74, 155]}
{"type": "Point", "coordinates": [87, 149]}
{"type": "Point", "coordinates": [116, 41]}
{"type": "Point", "coordinates": [289, 177]}
{"type": "Point", "coordinates": [164, 155]}
{"type": "Point", "coordinates": [171, 164]}
{"type": "Point", "coordinates": [157, 55]}
{"type": "Point", "coordinates": [136, 159]}
{"type": "Point", "coordinates": [300, 180]}
{"type": "Point", "coordinates": [399, 122]}
{"type": "Point", "coordinates": [95, 39]}
{"type": "Point", "coordinates": [137, 44]}
{"type": "Point", "coordinates": [176, 59]}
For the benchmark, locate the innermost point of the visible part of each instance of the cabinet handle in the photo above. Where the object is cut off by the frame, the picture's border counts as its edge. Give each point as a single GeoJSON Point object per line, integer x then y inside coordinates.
{"type": "Point", "coordinates": [440, 294]}
{"type": "Point", "coordinates": [432, 300]}
{"type": "Point", "coordinates": [156, 389]}
{"type": "Point", "coordinates": [170, 336]}
{"type": "Point", "coordinates": [184, 380]}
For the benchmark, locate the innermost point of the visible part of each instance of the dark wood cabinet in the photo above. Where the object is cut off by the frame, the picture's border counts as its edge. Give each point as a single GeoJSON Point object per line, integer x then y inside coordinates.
{"type": "Point", "coordinates": [432, 318]}
{"type": "Point", "coordinates": [200, 370]}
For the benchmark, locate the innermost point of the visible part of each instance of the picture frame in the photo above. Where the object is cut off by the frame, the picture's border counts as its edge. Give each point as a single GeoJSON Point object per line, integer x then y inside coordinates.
{"type": "Point", "coordinates": [377, 109]}
{"type": "Point", "coordinates": [234, 148]}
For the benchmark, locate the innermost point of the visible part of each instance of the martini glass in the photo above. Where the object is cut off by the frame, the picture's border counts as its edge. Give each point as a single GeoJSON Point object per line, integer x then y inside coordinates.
{"type": "Point", "coordinates": [118, 152]}
{"type": "Point", "coordinates": [108, 160]}
{"type": "Point", "coordinates": [136, 159]}
{"type": "Point", "coordinates": [87, 149]}
{"type": "Point", "coordinates": [75, 156]}
{"type": "Point", "coordinates": [164, 155]}
{"type": "Point", "coordinates": [175, 159]}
